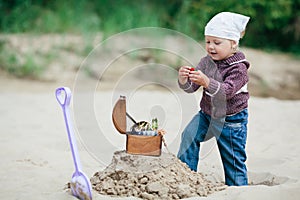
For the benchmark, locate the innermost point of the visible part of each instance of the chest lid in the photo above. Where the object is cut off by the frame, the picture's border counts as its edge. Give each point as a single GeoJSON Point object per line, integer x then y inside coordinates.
{"type": "Point", "coordinates": [119, 115]}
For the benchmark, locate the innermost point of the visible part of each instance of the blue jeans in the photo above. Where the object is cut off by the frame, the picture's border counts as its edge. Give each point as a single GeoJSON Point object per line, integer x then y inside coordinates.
{"type": "Point", "coordinates": [230, 133]}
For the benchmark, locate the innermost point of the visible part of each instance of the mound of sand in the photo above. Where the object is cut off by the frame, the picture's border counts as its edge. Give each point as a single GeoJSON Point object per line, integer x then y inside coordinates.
{"type": "Point", "coordinates": [147, 177]}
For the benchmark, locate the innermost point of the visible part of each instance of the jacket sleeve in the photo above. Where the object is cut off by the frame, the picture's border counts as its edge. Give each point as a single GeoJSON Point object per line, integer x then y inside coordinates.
{"type": "Point", "coordinates": [189, 87]}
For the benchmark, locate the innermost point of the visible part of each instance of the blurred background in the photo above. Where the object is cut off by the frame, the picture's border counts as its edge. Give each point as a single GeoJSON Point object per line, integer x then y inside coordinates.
{"type": "Point", "coordinates": [40, 39]}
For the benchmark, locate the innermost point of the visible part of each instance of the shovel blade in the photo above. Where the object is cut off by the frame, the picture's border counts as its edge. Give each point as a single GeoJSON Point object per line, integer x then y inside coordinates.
{"type": "Point", "coordinates": [81, 186]}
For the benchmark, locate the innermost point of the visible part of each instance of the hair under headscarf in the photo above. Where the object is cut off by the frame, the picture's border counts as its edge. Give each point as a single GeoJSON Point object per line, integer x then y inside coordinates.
{"type": "Point", "coordinates": [227, 25]}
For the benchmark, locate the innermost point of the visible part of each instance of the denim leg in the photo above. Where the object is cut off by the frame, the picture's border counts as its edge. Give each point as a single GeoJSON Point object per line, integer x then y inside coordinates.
{"type": "Point", "coordinates": [193, 134]}
{"type": "Point", "coordinates": [231, 145]}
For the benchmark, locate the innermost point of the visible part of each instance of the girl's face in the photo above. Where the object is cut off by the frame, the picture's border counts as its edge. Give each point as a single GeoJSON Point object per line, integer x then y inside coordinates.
{"type": "Point", "coordinates": [219, 48]}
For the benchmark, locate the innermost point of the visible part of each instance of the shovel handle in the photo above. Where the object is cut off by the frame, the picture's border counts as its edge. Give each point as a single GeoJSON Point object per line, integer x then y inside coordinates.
{"type": "Point", "coordinates": [63, 96]}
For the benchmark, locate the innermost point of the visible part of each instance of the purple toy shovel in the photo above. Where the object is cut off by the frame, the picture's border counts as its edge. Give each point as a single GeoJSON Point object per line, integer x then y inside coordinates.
{"type": "Point", "coordinates": [80, 184]}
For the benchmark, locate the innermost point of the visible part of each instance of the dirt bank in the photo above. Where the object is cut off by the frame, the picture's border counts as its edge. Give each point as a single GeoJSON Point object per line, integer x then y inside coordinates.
{"type": "Point", "coordinates": [58, 59]}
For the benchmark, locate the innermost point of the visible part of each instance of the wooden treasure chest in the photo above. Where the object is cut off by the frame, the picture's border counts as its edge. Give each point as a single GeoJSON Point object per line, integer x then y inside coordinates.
{"type": "Point", "coordinates": [139, 141]}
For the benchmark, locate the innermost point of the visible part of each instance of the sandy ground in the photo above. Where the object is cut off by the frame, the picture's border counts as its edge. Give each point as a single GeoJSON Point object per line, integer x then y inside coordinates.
{"type": "Point", "coordinates": [36, 160]}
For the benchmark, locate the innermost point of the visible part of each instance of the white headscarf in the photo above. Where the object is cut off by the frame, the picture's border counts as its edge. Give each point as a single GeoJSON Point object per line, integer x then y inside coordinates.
{"type": "Point", "coordinates": [227, 25]}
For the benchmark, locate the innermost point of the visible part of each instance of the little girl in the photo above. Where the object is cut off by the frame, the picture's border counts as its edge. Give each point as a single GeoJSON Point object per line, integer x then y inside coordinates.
{"type": "Point", "coordinates": [223, 114]}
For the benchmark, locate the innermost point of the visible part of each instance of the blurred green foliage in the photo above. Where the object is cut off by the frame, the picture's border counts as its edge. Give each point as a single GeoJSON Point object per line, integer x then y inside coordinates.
{"type": "Point", "coordinates": [10, 61]}
{"type": "Point", "coordinates": [274, 24]}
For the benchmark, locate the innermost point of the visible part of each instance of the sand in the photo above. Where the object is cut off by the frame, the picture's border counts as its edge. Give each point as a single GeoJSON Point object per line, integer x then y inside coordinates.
{"type": "Point", "coordinates": [36, 160]}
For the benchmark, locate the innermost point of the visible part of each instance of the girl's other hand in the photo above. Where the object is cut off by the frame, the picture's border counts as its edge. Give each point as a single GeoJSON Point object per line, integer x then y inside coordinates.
{"type": "Point", "coordinates": [199, 78]}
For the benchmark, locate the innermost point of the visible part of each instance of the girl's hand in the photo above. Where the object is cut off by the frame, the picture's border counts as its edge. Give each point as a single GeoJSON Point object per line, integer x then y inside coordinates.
{"type": "Point", "coordinates": [199, 78]}
{"type": "Point", "coordinates": [183, 74]}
